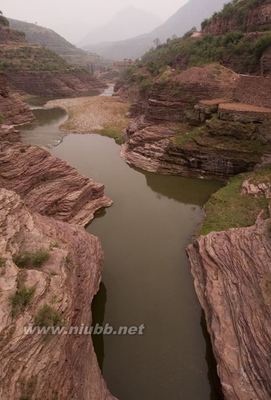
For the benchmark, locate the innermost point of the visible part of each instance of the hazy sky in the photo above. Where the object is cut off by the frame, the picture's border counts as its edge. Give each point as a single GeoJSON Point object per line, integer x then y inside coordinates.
{"type": "Point", "coordinates": [75, 18]}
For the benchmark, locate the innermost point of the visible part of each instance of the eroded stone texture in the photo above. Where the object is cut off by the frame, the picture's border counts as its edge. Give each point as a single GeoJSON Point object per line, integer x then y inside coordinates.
{"type": "Point", "coordinates": [232, 272]}
{"type": "Point", "coordinates": [55, 366]}
{"type": "Point", "coordinates": [153, 149]}
{"type": "Point", "coordinates": [13, 110]}
{"type": "Point", "coordinates": [49, 185]}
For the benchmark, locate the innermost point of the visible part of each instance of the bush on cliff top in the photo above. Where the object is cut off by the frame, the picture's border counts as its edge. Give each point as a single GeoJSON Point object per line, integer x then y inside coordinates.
{"type": "Point", "coordinates": [229, 208]}
{"type": "Point", "coordinates": [236, 10]}
{"type": "Point", "coordinates": [21, 299]}
{"type": "Point", "coordinates": [47, 316]}
{"type": "Point", "coordinates": [31, 260]}
{"type": "Point", "coordinates": [234, 49]}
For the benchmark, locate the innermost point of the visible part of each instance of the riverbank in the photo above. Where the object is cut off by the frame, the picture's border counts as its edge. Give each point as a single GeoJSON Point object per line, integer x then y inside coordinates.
{"type": "Point", "coordinates": [230, 263]}
{"type": "Point", "coordinates": [100, 114]}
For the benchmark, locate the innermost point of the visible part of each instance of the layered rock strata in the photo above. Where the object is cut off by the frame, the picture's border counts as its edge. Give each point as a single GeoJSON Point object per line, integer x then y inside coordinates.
{"type": "Point", "coordinates": [58, 84]}
{"type": "Point", "coordinates": [35, 366]}
{"type": "Point", "coordinates": [13, 110]}
{"type": "Point", "coordinates": [49, 185]}
{"type": "Point", "coordinates": [233, 279]}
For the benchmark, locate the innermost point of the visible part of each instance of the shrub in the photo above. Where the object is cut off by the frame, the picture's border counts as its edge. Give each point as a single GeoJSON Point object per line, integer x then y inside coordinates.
{"type": "Point", "coordinates": [31, 260]}
{"type": "Point", "coordinates": [21, 299]}
{"type": "Point", "coordinates": [2, 262]}
{"type": "Point", "coordinates": [47, 316]}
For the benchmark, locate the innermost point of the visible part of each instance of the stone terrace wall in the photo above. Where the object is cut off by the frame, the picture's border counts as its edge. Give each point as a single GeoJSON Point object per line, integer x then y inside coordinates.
{"type": "Point", "coordinates": [255, 90]}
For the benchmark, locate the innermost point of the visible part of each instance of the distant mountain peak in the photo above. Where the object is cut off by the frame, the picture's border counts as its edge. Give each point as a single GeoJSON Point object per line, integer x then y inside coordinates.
{"type": "Point", "coordinates": [126, 23]}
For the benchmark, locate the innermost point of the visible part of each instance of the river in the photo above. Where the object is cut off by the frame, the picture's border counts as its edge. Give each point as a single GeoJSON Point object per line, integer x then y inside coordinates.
{"type": "Point", "coordinates": [146, 277]}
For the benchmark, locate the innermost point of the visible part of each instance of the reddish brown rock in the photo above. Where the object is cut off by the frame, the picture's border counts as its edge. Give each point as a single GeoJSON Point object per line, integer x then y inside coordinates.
{"type": "Point", "coordinates": [232, 272]}
{"type": "Point", "coordinates": [9, 35]}
{"type": "Point", "coordinates": [54, 366]}
{"type": "Point", "coordinates": [170, 100]}
{"type": "Point", "coordinates": [49, 185]}
{"type": "Point", "coordinates": [13, 110]}
{"type": "Point", "coordinates": [55, 84]}
{"type": "Point", "coordinates": [153, 148]}
{"type": "Point", "coordinates": [255, 16]}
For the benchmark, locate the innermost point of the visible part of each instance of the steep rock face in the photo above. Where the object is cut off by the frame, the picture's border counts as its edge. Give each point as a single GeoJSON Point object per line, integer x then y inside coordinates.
{"type": "Point", "coordinates": [49, 185]}
{"type": "Point", "coordinates": [57, 84]}
{"type": "Point", "coordinates": [254, 90]}
{"type": "Point", "coordinates": [153, 148]}
{"type": "Point", "coordinates": [233, 280]}
{"type": "Point", "coordinates": [12, 109]}
{"type": "Point", "coordinates": [242, 17]}
{"type": "Point", "coordinates": [47, 366]}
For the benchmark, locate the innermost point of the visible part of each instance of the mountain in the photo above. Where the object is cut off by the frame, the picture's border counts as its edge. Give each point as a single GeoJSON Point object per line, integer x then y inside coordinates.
{"type": "Point", "coordinates": [53, 41]}
{"type": "Point", "coordinates": [126, 24]}
{"type": "Point", "coordinates": [189, 15]}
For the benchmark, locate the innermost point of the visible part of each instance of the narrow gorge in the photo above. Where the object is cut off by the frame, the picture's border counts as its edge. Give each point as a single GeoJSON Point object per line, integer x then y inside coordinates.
{"type": "Point", "coordinates": [135, 195]}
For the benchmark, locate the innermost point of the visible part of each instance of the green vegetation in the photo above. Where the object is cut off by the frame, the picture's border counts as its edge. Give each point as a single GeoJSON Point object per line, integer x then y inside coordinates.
{"type": "Point", "coordinates": [182, 138]}
{"type": "Point", "coordinates": [47, 316]}
{"type": "Point", "coordinates": [229, 208]}
{"type": "Point", "coordinates": [2, 262]}
{"type": "Point", "coordinates": [3, 21]}
{"type": "Point", "coordinates": [31, 58]}
{"type": "Point", "coordinates": [21, 299]}
{"type": "Point", "coordinates": [114, 133]}
{"type": "Point", "coordinates": [236, 10]}
{"type": "Point", "coordinates": [234, 46]}
{"type": "Point", "coordinates": [31, 260]}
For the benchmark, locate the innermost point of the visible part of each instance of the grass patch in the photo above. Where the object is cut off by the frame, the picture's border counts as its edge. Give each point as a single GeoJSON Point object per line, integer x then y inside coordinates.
{"type": "Point", "coordinates": [2, 262]}
{"type": "Point", "coordinates": [229, 208]}
{"type": "Point", "coordinates": [114, 133]}
{"type": "Point", "coordinates": [182, 138]}
{"type": "Point", "coordinates": [31, 260]}
{"type": "Point", "coordinates": [21, 299]}
{"type": "Point", "coordinates": [47, 316]}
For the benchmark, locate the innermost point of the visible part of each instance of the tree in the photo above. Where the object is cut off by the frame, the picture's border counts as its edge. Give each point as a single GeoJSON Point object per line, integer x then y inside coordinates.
{"type": "Point", "coordinates": [157, 42]}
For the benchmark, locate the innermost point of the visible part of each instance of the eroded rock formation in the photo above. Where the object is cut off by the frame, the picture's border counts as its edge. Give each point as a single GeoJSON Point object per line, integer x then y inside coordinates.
{"type": "Point", "coordinates": [49, 185]}
{"type": "Point", "coordinates": [233, 282]}
{"type": "Point", "coordinates": [13, 110]}
{"type": "Point", "coordinates": [58, 84]}
{"type": "Point", "coordinates": [36, 366]}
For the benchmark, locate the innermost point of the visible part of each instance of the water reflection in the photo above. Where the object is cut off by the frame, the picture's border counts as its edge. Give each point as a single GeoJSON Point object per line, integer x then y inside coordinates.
{"type": "Point", "coordinates": [44, 131]}
{"type": "Point", "coordinates": [98, 315]}
{"type": "Point", "coordinates": [146, 276]}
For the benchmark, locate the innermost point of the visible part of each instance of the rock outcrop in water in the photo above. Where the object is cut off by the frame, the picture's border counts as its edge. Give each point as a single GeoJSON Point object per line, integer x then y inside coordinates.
{"type": "Point", "coordinates": [233, 283]}
{"type": "Point", "coordinates": [46, 366]}
{"type": "Point", "coordinates": [49, 185]}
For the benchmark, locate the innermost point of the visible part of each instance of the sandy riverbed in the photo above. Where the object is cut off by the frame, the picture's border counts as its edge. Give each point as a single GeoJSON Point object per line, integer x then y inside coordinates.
{"type": "Point", "coordinates": [100, 114]}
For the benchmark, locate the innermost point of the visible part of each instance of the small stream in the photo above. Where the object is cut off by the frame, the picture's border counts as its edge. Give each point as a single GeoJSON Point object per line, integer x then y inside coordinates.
{"type": "Point", "coordinates": [146, 278]}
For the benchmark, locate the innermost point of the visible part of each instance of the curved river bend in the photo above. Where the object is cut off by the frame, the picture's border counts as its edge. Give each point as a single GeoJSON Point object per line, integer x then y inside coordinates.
{"type": "Point", "coordinates": [146, 278]}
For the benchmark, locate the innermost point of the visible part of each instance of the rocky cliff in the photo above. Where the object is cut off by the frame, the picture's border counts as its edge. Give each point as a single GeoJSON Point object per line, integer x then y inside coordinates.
{"type": "Point", "coordinates": [232, 279]}
{"type": "Point", "coordinates": [49, 185]}
{"type": "Point", "coordinates": [240, 15]}
{"type": "Point", "coordinates": [182, 129]}
{"type": "Point", "coordinates": [46, 292]}
{"type": "Point", "coordinates": [13, 111]}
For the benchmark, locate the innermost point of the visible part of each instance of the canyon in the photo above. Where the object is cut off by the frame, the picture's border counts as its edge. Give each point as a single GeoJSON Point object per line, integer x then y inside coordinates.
{"type": "Point", "coordinates": [190, 116]}
{"type": "Point", "coordinates": [213, 121]}
{"type": "Point", "coordinates": [64, 285]}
